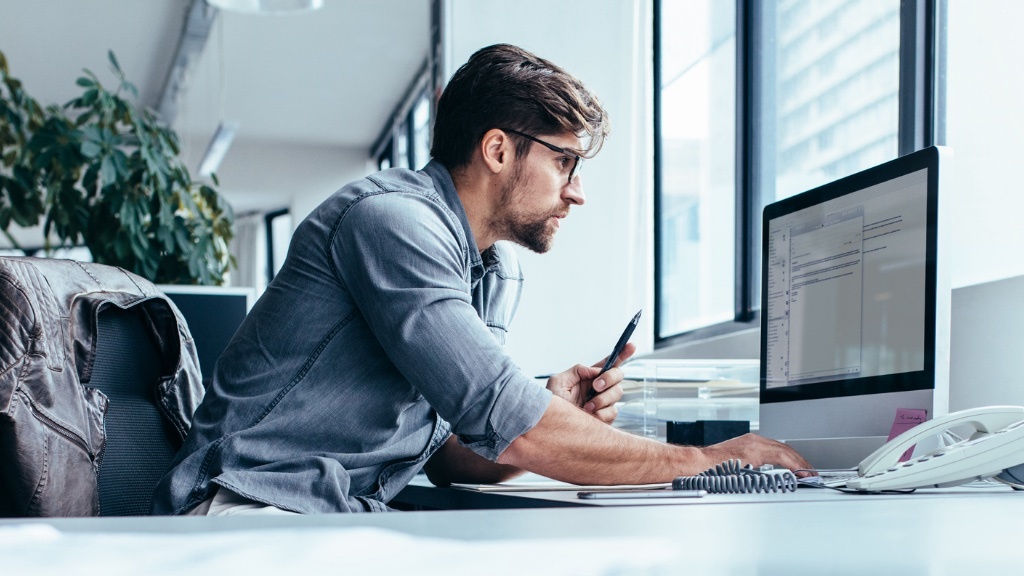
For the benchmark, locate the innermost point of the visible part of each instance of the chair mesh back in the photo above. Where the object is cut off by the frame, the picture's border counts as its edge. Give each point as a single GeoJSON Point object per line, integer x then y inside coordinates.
{"type": "Point", "coordinates": [139, 447]}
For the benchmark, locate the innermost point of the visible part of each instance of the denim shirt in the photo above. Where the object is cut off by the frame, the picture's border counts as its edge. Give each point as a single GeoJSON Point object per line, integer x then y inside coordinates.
{"type": "Point", "coordinates": [380, 337]}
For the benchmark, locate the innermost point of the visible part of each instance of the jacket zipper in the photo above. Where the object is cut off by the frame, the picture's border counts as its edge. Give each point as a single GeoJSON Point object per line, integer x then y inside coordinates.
{"type": "Point", "coordinates": [61, 430]}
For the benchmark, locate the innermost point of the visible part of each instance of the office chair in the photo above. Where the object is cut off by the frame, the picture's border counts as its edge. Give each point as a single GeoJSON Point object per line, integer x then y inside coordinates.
{"type": "Point", "coordinates": [140, 444]}
{"type": "Point", "coordinates": [100, 379]}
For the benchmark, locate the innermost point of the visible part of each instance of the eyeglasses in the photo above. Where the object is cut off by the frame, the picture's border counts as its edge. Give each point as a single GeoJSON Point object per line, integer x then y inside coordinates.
{"type": "Point", "coordinates": [576, 167]}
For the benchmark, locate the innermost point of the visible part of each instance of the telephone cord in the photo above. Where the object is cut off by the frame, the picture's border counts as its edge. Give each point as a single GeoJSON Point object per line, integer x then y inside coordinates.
{"type": "Point", "coordinates": [731, 477]}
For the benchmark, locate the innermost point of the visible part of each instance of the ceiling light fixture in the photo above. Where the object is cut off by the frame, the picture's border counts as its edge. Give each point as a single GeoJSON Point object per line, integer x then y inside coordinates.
{"type": "Point", "coordinates": [267, 6]}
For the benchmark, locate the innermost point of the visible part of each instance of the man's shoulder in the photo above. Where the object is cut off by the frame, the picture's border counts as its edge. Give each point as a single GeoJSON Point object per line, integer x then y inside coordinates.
{"type": "Point", "coordinates": [385, 181]}
{"type": "Point", "coordinates": [400, 180]}
{"type": "Point", "coordinates": [394, 190]}
{"type": "Point", "coordinates": [397, 200]}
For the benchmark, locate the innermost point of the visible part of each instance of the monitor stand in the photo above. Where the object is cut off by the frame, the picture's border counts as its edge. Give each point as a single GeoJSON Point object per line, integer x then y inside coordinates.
{"type": "Point", "coordinates": [836, 453]}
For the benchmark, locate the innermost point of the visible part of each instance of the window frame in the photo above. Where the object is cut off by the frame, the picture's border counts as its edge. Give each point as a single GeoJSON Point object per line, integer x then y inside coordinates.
{"type": "Point", "coordinates": [268, 231]}
{"type": "Point", "coordinates": [921, 124]}
{"type": "Point", "coordinates": [401, 125]}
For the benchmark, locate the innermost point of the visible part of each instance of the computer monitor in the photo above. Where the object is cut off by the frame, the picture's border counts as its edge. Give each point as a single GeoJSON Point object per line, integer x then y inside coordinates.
{"type": "Point", "coordinates": [213, 315]}
{"type": "Point", "coordinates": [855, 309]}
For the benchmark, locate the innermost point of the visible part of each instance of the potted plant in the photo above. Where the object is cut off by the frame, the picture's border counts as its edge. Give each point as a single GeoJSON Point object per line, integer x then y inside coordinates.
{"type": "Point", "coordinates": [103, 172]}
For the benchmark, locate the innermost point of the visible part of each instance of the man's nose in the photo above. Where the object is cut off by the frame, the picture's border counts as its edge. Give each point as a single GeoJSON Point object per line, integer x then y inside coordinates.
{"type": "Point", "coordinates": [573, 192]}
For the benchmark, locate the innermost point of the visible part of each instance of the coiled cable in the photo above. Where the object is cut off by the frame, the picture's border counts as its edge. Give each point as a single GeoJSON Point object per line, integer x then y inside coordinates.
{"type": "Point", "coordinates": [732, 477]}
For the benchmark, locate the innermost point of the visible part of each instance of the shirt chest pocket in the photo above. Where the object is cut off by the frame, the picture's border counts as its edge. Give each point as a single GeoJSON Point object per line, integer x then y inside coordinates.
{"type": "Point", "coordinates": [496, 300]}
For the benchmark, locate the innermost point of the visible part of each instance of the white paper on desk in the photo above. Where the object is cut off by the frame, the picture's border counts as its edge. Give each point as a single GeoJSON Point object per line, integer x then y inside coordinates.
{"type": "Point", "coordinates": [42, 550]}
{"type": "Point", "coordinates": [531, 482]}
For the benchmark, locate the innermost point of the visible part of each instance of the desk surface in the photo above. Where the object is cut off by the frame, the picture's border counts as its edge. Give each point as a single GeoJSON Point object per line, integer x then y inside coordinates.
{"type": "Point", "coordinates": [420, 494]}
{"type": "Point", "coordinates": [953, 532]}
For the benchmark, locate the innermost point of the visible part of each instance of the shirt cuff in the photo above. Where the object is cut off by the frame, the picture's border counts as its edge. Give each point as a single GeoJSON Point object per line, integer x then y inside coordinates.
{"type": "Point", "coordinates": [518, 408]}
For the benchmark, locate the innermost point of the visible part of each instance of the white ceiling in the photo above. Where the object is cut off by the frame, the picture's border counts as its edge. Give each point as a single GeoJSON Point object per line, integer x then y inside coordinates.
{"type": "Point", "coordinates": [329, 78]}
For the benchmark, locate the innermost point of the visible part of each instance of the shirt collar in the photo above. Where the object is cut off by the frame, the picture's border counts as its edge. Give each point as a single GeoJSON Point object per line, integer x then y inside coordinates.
{"type": "Point", "coordinates": [443, 182]}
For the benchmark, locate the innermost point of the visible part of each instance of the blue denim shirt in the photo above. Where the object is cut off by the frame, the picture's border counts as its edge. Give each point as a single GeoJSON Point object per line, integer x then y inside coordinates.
{"type": "Point", "coordinates": [381, 335]}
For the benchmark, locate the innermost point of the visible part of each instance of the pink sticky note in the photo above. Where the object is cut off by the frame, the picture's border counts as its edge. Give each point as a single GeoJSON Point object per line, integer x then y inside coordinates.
{"type": "Point", "coordinates": [907, 418]}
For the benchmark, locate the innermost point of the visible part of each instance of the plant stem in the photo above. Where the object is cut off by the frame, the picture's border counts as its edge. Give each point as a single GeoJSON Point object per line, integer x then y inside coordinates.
{"type": "Point", "coordinates": [10, 238]}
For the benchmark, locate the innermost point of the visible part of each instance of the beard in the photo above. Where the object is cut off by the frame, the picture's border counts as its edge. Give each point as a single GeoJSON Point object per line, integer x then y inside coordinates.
{"type": "Point", "coordinates": [532, 231]}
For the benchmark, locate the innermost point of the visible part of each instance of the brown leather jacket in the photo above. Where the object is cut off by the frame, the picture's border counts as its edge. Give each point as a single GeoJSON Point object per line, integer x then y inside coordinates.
{"type": "Point", "coordinates": [51, 421]}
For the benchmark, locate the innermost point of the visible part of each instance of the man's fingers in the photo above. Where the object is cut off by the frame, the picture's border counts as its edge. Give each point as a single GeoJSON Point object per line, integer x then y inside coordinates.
{"type": "Point", "coordinates": [603, 400]}
{"type": "Point", "coordinates": [607, 380]}
{"type": "Point", "coordinates": [607, 414]}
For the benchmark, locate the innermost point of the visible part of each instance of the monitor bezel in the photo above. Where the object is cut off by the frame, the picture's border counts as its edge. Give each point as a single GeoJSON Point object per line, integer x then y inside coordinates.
{"type": "Point", "coordinates": [924, 379]}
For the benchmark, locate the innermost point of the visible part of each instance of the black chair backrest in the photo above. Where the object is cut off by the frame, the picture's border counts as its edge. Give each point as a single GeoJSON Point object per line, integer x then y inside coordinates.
{"type": "Point", "coordinates": [139, 445]}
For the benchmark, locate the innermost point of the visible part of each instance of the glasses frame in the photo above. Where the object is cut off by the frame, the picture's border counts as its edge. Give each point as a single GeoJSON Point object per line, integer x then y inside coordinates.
{"type": "Point", "coordinates": [576, 167]}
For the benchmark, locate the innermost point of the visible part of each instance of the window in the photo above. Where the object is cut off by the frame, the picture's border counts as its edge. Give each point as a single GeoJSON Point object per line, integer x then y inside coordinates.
{"type": "Point", "coordinates": [830, 91]}
{"type": "Point", "coordinates": [696, 204]}
{"type": "Point", "coordinates": [405, 141]}
{"type": "Point", "coordinates": [757, 101]}
{"type": "Point", "coordinates": [419, 126]}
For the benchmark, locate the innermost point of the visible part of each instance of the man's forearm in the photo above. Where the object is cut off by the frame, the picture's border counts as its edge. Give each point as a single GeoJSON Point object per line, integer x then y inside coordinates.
{"type": "Point", "coordinates": [454, 462]}
{"type": "Point", "coordinates": [570, 445]}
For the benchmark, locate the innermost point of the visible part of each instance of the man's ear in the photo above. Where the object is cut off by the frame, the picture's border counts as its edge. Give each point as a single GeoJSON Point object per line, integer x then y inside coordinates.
{"type": "Point", "coordinates": [497, 150]}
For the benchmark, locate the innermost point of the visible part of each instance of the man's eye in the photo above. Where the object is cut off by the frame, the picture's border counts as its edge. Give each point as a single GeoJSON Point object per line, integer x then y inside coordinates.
{"type": "Point", "coordinates": [563, 162]}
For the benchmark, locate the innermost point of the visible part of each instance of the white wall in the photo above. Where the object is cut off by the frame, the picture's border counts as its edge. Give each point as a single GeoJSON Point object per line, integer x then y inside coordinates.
{"type": "Point", "coordinates": [985, 124]}
{"type": "Point", "coordinates": [273, 175]}
{"type": "Point", "coordinates": [264, 176]}
{"type": "Point", "coordinates": [578, 297]}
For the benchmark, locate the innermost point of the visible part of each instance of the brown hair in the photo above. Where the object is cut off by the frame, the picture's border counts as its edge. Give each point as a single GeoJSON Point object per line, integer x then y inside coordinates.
{"type": "Point", "coordinates": [503, 86]}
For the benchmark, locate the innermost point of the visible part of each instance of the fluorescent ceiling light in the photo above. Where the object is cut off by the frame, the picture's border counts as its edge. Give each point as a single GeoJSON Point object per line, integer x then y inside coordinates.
{"type": "Point", "coordinates": [218, 148]}
{"type": "Point", "coordinates": [266, 6]}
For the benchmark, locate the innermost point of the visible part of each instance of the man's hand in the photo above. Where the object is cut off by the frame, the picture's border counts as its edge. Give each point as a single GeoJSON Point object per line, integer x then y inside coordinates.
{"type": "Point", "coordinates": [756, 451]}
{"type": "Point", "coordinates": [576, 383]}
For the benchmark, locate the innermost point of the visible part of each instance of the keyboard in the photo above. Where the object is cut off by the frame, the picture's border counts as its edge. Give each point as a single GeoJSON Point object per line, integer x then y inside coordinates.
{"type": "Point", "coordinates": [830, 478]}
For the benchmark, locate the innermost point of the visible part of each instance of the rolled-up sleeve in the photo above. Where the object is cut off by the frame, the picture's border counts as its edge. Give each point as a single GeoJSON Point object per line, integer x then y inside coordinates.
{"type": "Point", "coordinates": [404, 260]}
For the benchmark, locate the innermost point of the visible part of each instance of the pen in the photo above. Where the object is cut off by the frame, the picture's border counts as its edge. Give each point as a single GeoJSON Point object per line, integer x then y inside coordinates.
{"type": "Point", "coordinates": [619, 346]}
{"type": "Point", "coordinates": [621, 343]}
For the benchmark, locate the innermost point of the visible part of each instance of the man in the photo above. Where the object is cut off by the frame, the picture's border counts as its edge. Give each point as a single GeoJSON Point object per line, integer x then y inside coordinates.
{"type": "Point", "coordinates": [377, 349]}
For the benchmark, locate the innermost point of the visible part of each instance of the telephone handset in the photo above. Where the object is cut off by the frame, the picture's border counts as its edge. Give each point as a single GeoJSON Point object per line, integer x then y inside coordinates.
{"type": "Point", "coordinates": [996, 444]}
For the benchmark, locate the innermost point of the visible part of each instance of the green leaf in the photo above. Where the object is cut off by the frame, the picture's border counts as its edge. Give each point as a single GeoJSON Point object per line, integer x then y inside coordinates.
{"type": "Point", "coordinates": [85, 82]}
{"type": "Point", "coordinates": [89, 98]}
{"type": "Point", "coordinates": [121, 163]}
{"type": "Point", "coordinates": [90, 149]}
{"type": "Point", "coordinates": [181, 236]}
{"type": "Point", "coordinates": [108, 174]}
{"type": "Point", "coordinates": [113, 60]}
{"type": "Point", "coordinates": [89, 181]}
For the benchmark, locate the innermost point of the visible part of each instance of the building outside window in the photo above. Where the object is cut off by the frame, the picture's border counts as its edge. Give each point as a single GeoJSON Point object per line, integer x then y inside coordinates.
{"type": "Point", "coordinates": [824, 100]}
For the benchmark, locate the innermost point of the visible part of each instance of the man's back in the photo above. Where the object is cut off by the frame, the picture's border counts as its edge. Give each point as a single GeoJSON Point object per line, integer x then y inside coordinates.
{"type": "Point", "coordinates": [318, 403]}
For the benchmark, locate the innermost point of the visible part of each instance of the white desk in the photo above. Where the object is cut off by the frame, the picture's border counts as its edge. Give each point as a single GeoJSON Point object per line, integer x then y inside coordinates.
{"type": "Point", "coordinates": [421, 495]}
{"type": "Point", "coordinates": [960, 532]}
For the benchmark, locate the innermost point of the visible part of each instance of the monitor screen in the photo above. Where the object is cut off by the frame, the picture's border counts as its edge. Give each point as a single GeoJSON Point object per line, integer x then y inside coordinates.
{"type": "Point", "coordinates": [213, 314]}
{"type": "Point", "coordinates": [855, 303]}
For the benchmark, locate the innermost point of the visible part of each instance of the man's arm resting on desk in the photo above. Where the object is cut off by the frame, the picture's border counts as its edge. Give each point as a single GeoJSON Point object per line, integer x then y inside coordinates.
{"type": "Point", "coordinates": [453, 462]}
{"type": "Point", "coordinates": [570, 445]}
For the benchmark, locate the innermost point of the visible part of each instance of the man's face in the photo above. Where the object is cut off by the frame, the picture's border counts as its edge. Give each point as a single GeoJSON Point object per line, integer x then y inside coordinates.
{"type": "Point", "coordinates": [537, 195]}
